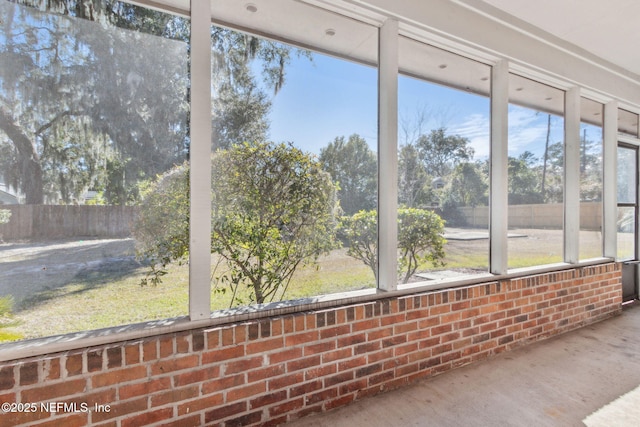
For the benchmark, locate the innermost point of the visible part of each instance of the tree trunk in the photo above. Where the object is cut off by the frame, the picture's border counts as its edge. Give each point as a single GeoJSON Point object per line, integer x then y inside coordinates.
{"type": "Point", "coordinates": [30, 169]}
{"type": "Point", "coordinates": [546, 155]}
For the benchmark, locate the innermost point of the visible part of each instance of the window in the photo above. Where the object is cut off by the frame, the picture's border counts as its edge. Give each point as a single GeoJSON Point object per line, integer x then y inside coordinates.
{"type": "Point", "coordinates": [443, 168]}
{"type": "Point", "coordinates": [591, 170]}
{"type": "Point", "coordinates": [294, 169]}
{"type": "Point", "coordinates": [93, 106]}
{"type": "Point", "coordinates": [627, 123]}
{"type": "Point", "coordinates": [627, 201]}
{"type": "Point", "coordinates": [536, 169]}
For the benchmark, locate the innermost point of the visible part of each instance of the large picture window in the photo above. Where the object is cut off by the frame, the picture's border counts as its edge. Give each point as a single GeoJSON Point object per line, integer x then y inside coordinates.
{"type": "Point", "coordinates": [536, 173]}
{"type": "Point", "coordinates": [294, 173]}
{"type": "Point", "coordinates": [443, 164]}
{"type": "Point", "coordinates": [591, 171]}
{"type": "Point", "coordinates": [93, 108]}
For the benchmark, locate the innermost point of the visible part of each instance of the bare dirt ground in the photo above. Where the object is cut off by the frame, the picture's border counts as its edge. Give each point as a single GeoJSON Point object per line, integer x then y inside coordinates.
{"type": "Point", "coordinates": [29, 268]}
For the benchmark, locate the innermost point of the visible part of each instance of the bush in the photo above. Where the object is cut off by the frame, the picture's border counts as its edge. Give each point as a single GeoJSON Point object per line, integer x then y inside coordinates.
{"type": "Point", "coordinates": [5, 216]}
{"type": "Point", "coordinates": [419, 239]}
{"type": "Point", "coordinates": [6, 320]}
{"type": "Point", "coordinates": [273, 210]}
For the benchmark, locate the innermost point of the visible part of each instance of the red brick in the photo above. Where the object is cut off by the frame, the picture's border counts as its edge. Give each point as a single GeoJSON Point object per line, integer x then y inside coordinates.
{"type": "Point", "coordinates": [120, 409]}
{"type": "Point", "coordinates": [75, 420]}
{"type": "Point", "coordinates": [177, 396]}
{"type": "Point", "coordinates": [127, 391]}
{"type": "Point", "coordinates": [132, 353]}
{"type": "Point", "coordinates": [346, 365]}
{"type": "Point", "coordinates": [224, 412]}
{"type": "Point", "coordinates": [166, 346]}
{"type": "Point", "coordinates": [223, 354]}
{"type": "Point", "coordinates": [243, 365]}
{"type": "Point", "coordinates": [165, 366]}
{"type": "Point", "coordinates": [148, 417]}
{"type": "Point", "coordinates": [22, 418]}
{"type": "Point", "coordinates": [196, 375]}
{"type": "Point", "coordinates": [301, 338]}
{"type": "Point", "coordinates": [149, 350]}
{"type": "Point", "coordinates": [286, 381]}
{"type": "Point", "coordinates": [219, 384]}
{"type": "Point", "coordinates": [183, 343]}
{"type": "Point", "coordinates": [286, 407]}
{"type": "Point", "coordinates": [268, 399]}
{"type": "Point", "coordinates": [321, 347]}
{"type": "Point", "coordinates": [335, 331]}
{"type": "Point", "coordinates": [190, 421]}
{"type": "Point", "coordinates": [304, 363]}
{"type": "Point", "coordinates": [54, 391]}
{"type": "Point", "coordinates": [339, 354]}
{"type": "Point", "coordinates": [246, 391]}
{"type": "Point", "coordinates": [285, 355]}
{"type": "Point", "coordinates": [29, 373]}
{"type": "Point", "coordinates": [74, 364]}
{"type": "Point", "coordinates": [244, 420]}
{"type": "Point", "coordinates": [264, 345]}
{"type": "Point", "coordinates": [51, 368]}
{"type": "Point", "coordinates": [112, 377]}
{"type": "Point", "coordinates": [324, 395]}
{"type": "Point", "coordinates": [266, 372]}
{"type": "Point", "coordinates": [321, 371]}
{"type": "Point", "coordinates": [201, 403]}
{"type": "Point", "coordinates": [114, 357]}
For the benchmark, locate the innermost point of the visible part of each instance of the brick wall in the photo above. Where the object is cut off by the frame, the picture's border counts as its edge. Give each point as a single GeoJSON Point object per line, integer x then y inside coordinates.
{"type": "Point", "coordinates": [272, 370]}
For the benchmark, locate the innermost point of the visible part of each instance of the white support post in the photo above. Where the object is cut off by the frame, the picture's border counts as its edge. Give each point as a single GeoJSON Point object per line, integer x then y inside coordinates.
{"type": "Point", "coordinates": [572, 176]}
{"type": "Point", "coordinates": [610, 180]}
{"type": "Point", "coordinates": [388, 156]}
{"type": "Point", "coordinates": [499, 189]}
{"type": "Point", "coordinates": [200, 163]}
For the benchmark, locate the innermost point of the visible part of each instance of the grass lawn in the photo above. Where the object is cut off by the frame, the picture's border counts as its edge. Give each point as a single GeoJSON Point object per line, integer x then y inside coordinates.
{"type": "Point", "coordinates": [105, 298]}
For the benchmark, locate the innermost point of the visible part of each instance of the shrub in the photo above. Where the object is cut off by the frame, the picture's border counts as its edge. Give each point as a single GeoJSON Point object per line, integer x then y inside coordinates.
{"type": "Point", "coordinates": [419, 239]}
{"type": "Point", "coordinates": [273, 210]}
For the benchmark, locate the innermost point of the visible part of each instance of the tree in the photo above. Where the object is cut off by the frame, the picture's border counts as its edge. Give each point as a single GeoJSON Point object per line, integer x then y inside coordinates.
{"type": "Point", "coordinates": [273, 210]}
{"type": "Point", "coordinates": [523, 180]}
{"type": "Point", "coordinates": [441, 152]}
{"type": "Point", "coordinates": [354, 167]}
{"type": "Point", "coordinates": [414, 184]}
{"type": "Point", "coordinates": [240, 101]}
{"type": "Point", "coordinates": [69, 75]}
{"type": "Point", "coordinates": [420, 239]}
{"type": "Point", "coordinates": [467, 187]}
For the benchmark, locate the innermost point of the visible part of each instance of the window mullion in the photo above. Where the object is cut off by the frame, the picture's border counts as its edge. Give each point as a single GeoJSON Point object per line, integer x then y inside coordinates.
{"type": "Point", "coordinates": [388, 156]}
{"type": "Point", "coordinates": [572, 176]}
{"type": "Point", "coordinates": [610, 183]}
{"type": "Point", "coordinates": [200, 163]}
{"type": "Point", "coordinates": [499, 189]}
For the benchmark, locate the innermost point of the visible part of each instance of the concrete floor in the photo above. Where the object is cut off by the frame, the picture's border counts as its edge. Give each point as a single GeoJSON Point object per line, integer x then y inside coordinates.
{"type": "Point", "coordinates": [556, 382]}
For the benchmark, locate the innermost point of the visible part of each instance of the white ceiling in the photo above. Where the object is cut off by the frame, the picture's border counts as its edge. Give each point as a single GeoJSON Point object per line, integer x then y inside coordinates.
{"type": "Point", "coordinates": [606, 28]}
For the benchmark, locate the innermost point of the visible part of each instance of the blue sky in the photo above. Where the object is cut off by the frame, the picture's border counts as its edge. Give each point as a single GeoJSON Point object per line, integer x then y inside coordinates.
{"type": "Point", "coordinates": [328, 97]}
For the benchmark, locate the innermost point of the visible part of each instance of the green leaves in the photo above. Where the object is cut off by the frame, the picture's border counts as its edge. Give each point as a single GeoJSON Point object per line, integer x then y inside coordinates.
{"type": "Point", "coordinates": [273, 210]}
{"type": "Point", "coordinates": [420, 239]}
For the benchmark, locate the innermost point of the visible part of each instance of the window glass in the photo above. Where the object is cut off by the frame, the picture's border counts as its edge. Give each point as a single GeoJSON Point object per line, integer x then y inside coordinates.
{"type": "Point", "coordinates": [294, 166]}
{"type": "Point", "coordinates": [591, 165]}
{"type": "Point", "coordinates": [443, 169]}
{"type": "Point", "coordinates": [627, 123]}
{"type": "Point", "coordinates": [627, 201]}
{"type": "Point", "coordinates": [536, 169]}
{"type": "Point", "coordinates": [93, 107]}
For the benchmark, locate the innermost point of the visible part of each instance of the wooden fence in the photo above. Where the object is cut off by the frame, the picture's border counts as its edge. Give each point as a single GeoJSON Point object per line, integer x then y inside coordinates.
{"type": "Point", "coordinates": [31, 222]}
{"type": "Point", "coordinates": [549, 216]}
